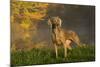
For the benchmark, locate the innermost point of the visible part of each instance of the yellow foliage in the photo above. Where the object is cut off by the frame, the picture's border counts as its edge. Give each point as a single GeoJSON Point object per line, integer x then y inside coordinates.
{"type": "Point", "coordinates": [13, 48]}
{"type": "Point", "coordinates": [24, 17]}
{"type": "Point", "coordinates": [37, 16]}
{"type": "Point", "coordinates": [26, 36]}
{"type": "Point", "coordinates": [25, 25]}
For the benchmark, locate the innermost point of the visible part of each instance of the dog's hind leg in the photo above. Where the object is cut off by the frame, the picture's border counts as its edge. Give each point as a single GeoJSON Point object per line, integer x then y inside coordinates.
{"type": "Point", "coordinates": [68, 44]}
{"type": "Point", "coordinates": [75, 38]}
{"type": "Point", "coordinates": [65, 49]}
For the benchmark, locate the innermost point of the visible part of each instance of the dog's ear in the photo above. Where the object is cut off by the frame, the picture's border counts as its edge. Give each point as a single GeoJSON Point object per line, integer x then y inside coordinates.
{"type": "Point", "coordinates": [59, 21]}
{"type": "Point", "coordinates": [49, 22]}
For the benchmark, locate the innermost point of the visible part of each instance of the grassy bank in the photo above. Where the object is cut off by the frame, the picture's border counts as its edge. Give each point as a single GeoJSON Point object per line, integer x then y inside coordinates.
{"type": "Point", "coordinates": [47, 56]}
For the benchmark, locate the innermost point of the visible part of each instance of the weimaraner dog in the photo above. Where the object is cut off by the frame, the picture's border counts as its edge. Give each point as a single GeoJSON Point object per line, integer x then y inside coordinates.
{"type": "Point", "coordinates": [60, 36]}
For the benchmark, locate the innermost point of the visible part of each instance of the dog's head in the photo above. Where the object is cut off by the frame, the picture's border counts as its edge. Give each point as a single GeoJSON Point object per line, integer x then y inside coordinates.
{"type": "Point", "coordinates": [54, 21]}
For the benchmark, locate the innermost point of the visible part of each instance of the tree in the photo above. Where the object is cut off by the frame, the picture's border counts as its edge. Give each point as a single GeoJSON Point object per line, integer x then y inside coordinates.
{"type": "Point", "coordinates": [24, 19]}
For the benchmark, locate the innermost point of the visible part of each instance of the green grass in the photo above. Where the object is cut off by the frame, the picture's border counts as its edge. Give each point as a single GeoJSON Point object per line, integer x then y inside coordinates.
{"type": "Point", "coordinates": [47, 56]}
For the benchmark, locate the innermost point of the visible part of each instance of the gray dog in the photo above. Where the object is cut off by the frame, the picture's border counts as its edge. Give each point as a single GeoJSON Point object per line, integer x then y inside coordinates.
{"type": "Point", "coordinates": [60, 36]}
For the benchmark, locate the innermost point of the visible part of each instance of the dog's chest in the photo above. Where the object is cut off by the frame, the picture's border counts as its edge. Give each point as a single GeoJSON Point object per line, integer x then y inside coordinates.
{"type": "Point", "coordinates": [58, 36]}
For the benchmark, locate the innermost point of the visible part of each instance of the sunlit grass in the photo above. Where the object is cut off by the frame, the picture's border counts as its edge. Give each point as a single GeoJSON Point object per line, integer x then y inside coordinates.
{"type": "Point", "coordinates": [47, 56]}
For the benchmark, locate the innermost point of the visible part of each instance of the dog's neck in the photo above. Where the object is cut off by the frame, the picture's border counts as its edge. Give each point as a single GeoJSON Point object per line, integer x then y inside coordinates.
{"type": "Point", "coordinates": [56, 30]}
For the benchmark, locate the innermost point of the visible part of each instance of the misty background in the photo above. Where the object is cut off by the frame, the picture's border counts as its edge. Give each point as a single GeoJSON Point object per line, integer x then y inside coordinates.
{"type": "Point", "coordinates": [79, 18]}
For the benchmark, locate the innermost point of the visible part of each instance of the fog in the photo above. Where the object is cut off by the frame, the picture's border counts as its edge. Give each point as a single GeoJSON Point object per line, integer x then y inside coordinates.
{"type": "Point", "coordinates": [78, 18]}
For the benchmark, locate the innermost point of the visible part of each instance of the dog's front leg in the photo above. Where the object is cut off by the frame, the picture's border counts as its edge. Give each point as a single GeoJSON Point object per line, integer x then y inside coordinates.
{"type": "Point", "coordinates": [56, 50]}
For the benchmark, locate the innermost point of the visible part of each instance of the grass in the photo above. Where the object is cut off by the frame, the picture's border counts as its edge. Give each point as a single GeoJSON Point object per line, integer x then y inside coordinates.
{"type": "Point", "coordinates": [47, 56]}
